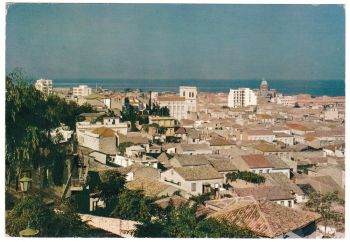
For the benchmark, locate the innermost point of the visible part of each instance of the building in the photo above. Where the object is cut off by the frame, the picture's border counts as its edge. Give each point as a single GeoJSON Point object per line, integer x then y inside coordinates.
{"type": "Point", "coordinates": [193, 149]}
{"type": "Point", "coordinates": [190, 95]}
{"type": "Point", "coordinates": [165, 122]}
{"type": "Point", "coordinates": [194, 180]}
{"type": "Point", "coordinates": [264, 88]}
{"type": "Point", "coordinates": [44, 86]}
{"type": "Point", "coordinates": [241, 97]}
{"type": "Point", "coordinates": [180, 106]}
{"type": "Point", "coordinates": [81, 91]}
{"type": "Point", "coordinates": [108, 122]}
{"type": "Point", "coordinates": [265, 135]}
{"type": "Point", "coordinates": [331, 114]}
{"type": "Point", "coordinates": [100, 139]}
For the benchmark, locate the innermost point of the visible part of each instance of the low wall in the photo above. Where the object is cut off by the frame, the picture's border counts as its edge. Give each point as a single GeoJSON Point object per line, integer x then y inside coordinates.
{"type": "Point", "coordinates": [123, 228]}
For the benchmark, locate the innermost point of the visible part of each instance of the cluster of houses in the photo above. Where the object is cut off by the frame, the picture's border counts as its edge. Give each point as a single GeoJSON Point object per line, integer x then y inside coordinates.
{"type": "Point", "coordinates": [297, 149]}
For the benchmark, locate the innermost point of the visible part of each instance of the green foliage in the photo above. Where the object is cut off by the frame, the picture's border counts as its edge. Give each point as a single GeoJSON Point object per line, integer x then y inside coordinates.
{"type": "Point", "coordinates": [182, 222]}
{"type": "Point", "coordinates": [133, 205]}
{"type": "Point", "coordinates": [111, 185]}
{"type": "Point", "coordinates": [323, 204]}
{"type": "Point", "coordinates": [130, 113]}
{"type": "Point", "coordinates": [30, 116]}
{"type": "Point", "coordinates": [32, 210]}
{"type": "Point", "coordinates": [246, 176]}
{"type": "Point", "coordinates": [200, 199]}
{"type": "Point", "coordinates": [122, 147]}
{"type": "Point", "coordinates": [159, 111]}
{"type": "Point", "coordinates": [172, 139]}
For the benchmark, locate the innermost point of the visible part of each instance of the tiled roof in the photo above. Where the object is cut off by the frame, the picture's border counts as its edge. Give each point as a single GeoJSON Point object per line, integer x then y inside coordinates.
{"type": "Point", "coordinates": [135, 138]}
{"type": "Point", "coordinates": [198, 173]}
{"type": "Point", "coordinates": [281, 134]}
{"type": "Point", "coordinates": [104, 132]}
{"type": "Point", "coordinates": [265, 218]}
{"type": "Point", "coordinates": [170, 98]}
{"type": "Point", "coordinates": [191, 160]}
{"type": "Point", "coordinates": [180, 130]}
{"type": "Point", "coordinates": [280, 179]}
{"type": "Point", "coordinates": [259, 132]}
{"type": "Point", "coordinates": [220, 142]}
{"type": "Point", "coordinates": [277, 162]}
{"type": "Point", "coordinates": [176, 200]}
{"type": "Point", "coordinates": [256, 161]}
{"type": "Point", "coordinates": [298, 127]}
{"type": "Point", "coordinates": [223, 165]}
{"type": "Point", "coordinates": [194, 147]}
{"type": "Point", "coordinates": [186, 122]}
{"type": "Point", "coordinates": [151, 187]}
{"type": "Point", "coordinates": [322, 184]}
{"type": "Point", "coordinates": [263, 116]}
{"type": "Point", "coordinates": [265, 192]}
{"type": "Point", "coordinates": [266, 147]}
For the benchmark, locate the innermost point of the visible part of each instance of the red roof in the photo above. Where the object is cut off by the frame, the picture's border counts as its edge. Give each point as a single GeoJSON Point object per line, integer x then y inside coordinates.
{"type": "Point", "coordinates": [298, 127]}
{"type": "Point", "coordinates": [256, 161]}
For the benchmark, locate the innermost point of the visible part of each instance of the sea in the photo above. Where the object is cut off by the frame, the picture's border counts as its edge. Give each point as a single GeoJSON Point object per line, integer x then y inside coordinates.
{"type": "Point", "coordinates": [287, 87]}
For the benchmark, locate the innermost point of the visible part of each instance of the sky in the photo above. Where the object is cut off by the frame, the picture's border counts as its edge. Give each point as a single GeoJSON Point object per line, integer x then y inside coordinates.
{"type": "Point", "coordinates": [174, 41]}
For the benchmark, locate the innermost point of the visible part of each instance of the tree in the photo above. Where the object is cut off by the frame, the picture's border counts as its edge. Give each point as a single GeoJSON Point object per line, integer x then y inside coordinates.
{"type": "Point", "coordinates": [200, 199]}
{"type": "Point", "coordinates": [133, 205]}
{"type": "Point", "coordinates": [323, 204]}
{"type": "Point", "coordinates": [112, 183]}
{"type": "Point", "coordinates": [182, 222]}
{"type": "Point", "coordinates": [33, 211]}
{"type": "Point", "coordinates": [30, 118]}
{"type": "Point", "coordinates": [156, 110]}
{"type": "Point", "coordinates": [122, 147]}
{"type": "Point", "coordinates": [246, 176]}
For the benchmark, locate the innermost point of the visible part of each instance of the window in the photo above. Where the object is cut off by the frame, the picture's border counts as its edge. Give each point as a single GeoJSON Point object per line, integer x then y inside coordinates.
{"type": "Point", "coordinates": [260, 171]}
{"type": "Point", "coordinates": [290, 204]}
{"type": "Point", "coordinates": [282, 202]}
{"type": "Point", "coordinates": [193, 187]}
{"type": "Point", "coordinates": [183, 94]}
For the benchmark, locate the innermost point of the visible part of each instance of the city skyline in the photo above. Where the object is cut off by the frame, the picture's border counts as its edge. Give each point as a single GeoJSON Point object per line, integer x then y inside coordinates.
{"type": "Point", "coordinates": [177, 41]}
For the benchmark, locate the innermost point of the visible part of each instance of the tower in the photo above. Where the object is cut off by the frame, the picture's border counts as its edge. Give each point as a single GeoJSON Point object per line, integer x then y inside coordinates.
{"type": "Point", "coordinates": [190, 95]}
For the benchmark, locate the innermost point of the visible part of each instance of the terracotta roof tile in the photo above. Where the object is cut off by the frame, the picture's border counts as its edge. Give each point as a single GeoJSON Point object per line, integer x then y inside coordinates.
{"type": "Point", "coordinates": [256, 161]}
{"type": "Point", "coordinates": [265, 218]}
{"type": "Point", "coordinates": [104, 132]}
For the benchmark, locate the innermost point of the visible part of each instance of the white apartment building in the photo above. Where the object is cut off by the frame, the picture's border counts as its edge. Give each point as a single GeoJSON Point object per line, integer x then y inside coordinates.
{"type": "Point", "coordinates": [45, 86]}
{"type": "Point", "coordinates": [181, 105]}
{"type": "Point", "coordinates": [81, 91]}
{"type": "Point", "coordinates": [241, 97]}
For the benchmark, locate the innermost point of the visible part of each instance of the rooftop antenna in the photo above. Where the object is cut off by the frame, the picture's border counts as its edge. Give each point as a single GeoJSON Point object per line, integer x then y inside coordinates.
{"type": "Point", "coordinates": [96, 86]}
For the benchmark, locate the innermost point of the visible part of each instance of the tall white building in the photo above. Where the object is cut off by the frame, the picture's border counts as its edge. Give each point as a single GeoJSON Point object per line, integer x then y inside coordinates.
{"type": "Point", "coordinates": [190, 95]}
{"type": "Point", "coordinates": [45, 86]}
{"type": "Point", "coordinates": [180, 105]}
{"type": "Point", "coordinates": [81, 91]}
{"type": "Point", "coordinates": [241, 97]}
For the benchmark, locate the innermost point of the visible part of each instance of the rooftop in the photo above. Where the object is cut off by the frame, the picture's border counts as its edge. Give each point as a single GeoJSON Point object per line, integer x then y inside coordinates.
{"type": "Point", "coordinates": [198, 173]}
{"type": "Point", "coordinates": [191, 160]}
{"type": "Point", "coordinates": [104, 132]}
{"type": "Point", "coordinates": [256, 161]}
{"type": "Point", "coordinates": [265, 192]}
{"type": "Point", "coordinates": [265, 218]}
{"type": "Point", "coordinates": [151, 187]}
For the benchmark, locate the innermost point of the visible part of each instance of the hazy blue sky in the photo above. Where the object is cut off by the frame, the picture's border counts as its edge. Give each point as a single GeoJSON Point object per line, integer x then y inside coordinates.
{"type": "Point", "coordinates": [176, 41]}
